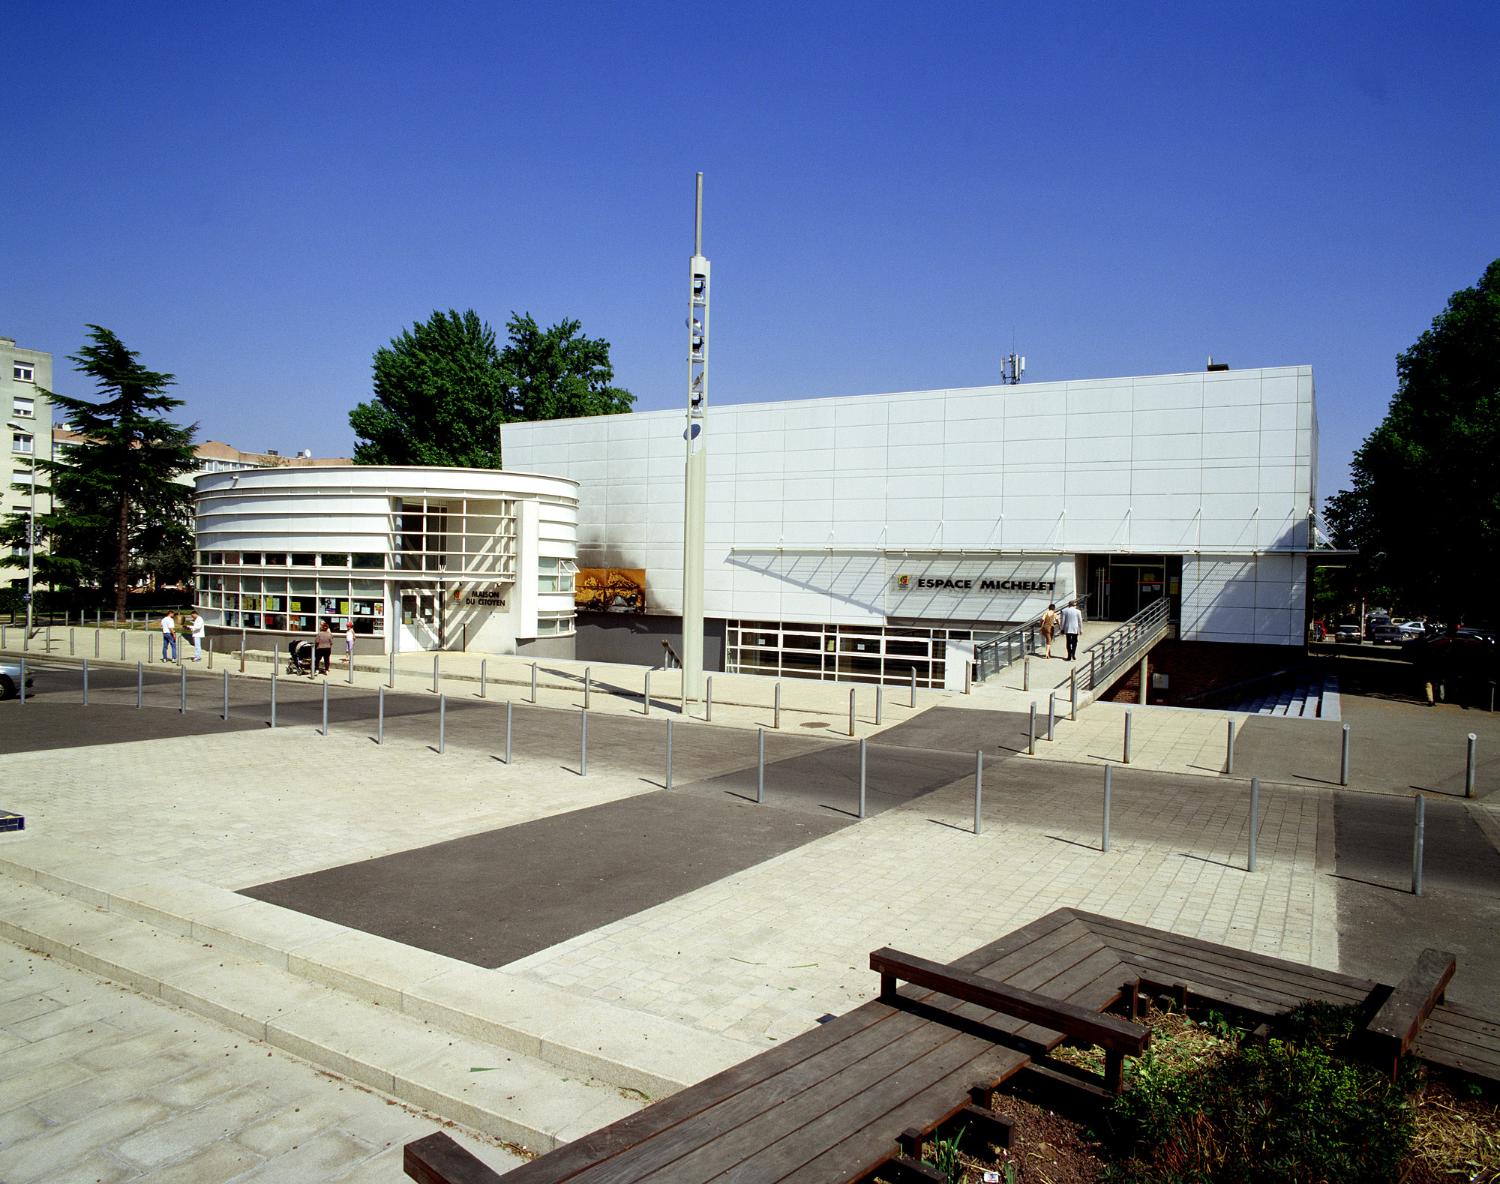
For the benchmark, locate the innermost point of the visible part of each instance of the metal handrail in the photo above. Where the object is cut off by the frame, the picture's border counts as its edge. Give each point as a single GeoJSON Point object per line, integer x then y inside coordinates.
{"type": "Point", "coordinates": [1107, 656]}
{"type": "Point", "coordinates": [994, 654]}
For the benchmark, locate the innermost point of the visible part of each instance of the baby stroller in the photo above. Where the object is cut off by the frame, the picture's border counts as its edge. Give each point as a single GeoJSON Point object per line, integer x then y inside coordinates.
{"type": "Point", "coordinates": [299, 657]}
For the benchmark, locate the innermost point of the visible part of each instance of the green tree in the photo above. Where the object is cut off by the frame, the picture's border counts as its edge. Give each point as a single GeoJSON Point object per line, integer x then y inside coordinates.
{"type": "Point", "coordinates": [558, 373]}
{"type": "Point", "coordinates": [1423, 509]}
{"type": "Point", "coordinates": [117, 510]}
{"type": "Point", "coordinates": [444, 387]}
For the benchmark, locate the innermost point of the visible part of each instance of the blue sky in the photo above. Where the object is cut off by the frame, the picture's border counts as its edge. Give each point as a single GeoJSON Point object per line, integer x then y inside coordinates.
{"type": "Point", "coordinates": [257, 197]}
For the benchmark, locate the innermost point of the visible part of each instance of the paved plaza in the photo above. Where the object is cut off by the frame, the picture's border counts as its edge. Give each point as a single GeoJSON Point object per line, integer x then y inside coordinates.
{"type": "Point", "coordinates": [531, 948]}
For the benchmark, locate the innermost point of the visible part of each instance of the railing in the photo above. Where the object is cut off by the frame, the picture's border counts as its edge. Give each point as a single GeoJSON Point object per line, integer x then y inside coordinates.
{"type": "Point", "coordinates": [1098, 665]}
{"type": "Point", "coordinates": [994, 654]}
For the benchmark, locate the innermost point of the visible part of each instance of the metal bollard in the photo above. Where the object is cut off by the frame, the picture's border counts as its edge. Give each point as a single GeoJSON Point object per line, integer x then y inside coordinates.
{"type": "Point", "coordinates": [1418, 842]}
{"type": "Point", "coordinates": [978, 791]}
{"type": "Point", "coordinates": [862, 746]}
{"type": "Point", "coordinates": [669, 753]}
{"type": "Point", "coordinates": [4, 637]}
{"type": "Point", "coordinates": [242, 649]}
{"type": "Point", "coordinates": [1109, 793]}
{"type": "Point", "coordinates": [760, 766]}
{"type": "Point", "coordinates": [879, 702]}
{"type": "Point", "coordinates": [1469, 767]}
{"type": "Point", "coordinates": [209, 643]}
{"type": "Point", "coordinates": [182, 700]}
{"type": "Point", "coordinates": [380, 715]}
{"type": "Point", "coordinates": [1254, 821]}
{"type": "Point", "coordinates": [434, 674]}
{"type": "Point", "coordinates": [776, 717]}
{"type": "Point", "coordinates": [85, 682]}
{"type": "Point", "coordinates": [226, 696]}
{"type": "Point", "coordinates": [391, 675]}
{"type": "Point", "coordinates": [1229, 747]}
{"type": "Point", "coordinates": [22, 687]}
{"type": "Point", "coordinates": [325, 709]}
{"type": "Point", "coordinates": [98, 641]}
{"type": "Point", "coordinates": [588, 680]}
{"type": "Point", "coordinates": [442, 723]}
{"type": "Point", "coordinates": [273, 695]}
{"type": "Point", "coordinates": [72, 640]}
{"type": "Point", "coordinates": [1026, 673]}
{"type": "Point", "coordinates": [852, 693]}
{"type": "Point", "coordinates": [123, 635]}
{"type": "Point", "coordinates": [1031, 732]}
{"type": "Point", "coordinates": [533, 682]}
{"type": "Point", "coordinates": [509, 728]}
{"type": "Point", "coordinates": [968, 677]}
{"type": "Point", "coordinates": [646, 693]}
{"type": "Point", "coordinates": [140, 685]}
{"type": "Point", "coordinates": [1125, 756]}
{"type": "Point", "coordinates": [1073, 697]}
{"type": "Point", "coordinates": [708, 700]}
{"type": "Point", "coordinates": [484, 678]}
{"type": "Point", "coordinates": [914, 687]}
{"type": "Point", "coordinates": [1344, 757]}
{"type": "Point", "coordinates": [349, 673]}
{"type": "Point", "coordinates": [583, 744]}
{"type": "Point", "coordinates": [1051, 714]}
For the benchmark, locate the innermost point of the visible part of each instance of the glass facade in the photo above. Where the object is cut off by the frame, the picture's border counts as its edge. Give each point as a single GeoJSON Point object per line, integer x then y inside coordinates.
{"type": "Point", "coordinates": [846, 653]}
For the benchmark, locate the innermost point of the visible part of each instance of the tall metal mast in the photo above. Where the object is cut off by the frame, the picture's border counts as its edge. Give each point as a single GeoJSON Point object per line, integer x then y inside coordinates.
{"type": "Point", "coordinates": [696, 465]}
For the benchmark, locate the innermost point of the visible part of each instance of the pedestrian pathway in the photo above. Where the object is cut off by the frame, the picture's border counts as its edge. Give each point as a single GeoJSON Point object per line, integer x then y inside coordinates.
{"type": "Point", "coordinates": [100, 1084]}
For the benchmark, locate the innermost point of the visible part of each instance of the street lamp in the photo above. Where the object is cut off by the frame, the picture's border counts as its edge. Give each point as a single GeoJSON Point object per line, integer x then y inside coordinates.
{"type": "Point", "coordinates": [30, 529]}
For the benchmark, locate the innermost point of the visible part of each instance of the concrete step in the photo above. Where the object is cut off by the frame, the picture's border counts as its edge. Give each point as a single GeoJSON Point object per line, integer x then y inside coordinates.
{"type": "Point", "coordinates": [510, 1095]}
{"type": "Point", "coordinates": [645, 1055]}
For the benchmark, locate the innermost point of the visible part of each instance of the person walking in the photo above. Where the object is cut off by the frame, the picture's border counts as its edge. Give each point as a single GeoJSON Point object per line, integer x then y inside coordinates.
{"type": "Point", "coordinates": [1072, 626]}
{"type": "Point", "coordinates": [1048, 625]}
{"type": "Point", "coordinates": [323, 647]}
{"type": "Point", "coordinates": [349, 643]}
{"type": "Point", "coordinates": [197, 627]}
{"type": "Point", "coordinates": [169, 637]}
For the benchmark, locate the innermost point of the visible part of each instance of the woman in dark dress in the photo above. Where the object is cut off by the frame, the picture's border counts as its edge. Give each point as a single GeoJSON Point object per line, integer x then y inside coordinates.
{"type": "Point", "coordinates": [322, 647]}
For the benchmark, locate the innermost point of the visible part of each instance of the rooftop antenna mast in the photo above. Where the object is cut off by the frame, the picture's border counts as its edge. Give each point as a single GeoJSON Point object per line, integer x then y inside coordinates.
{"type": "Point", "coordinates": [1012, 366]}
{"type": "Point", "coordinates": [696, 463]}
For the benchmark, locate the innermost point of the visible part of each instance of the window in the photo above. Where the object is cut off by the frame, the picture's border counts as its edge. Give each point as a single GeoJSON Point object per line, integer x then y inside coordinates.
{"type": "Point", "coordinates": [553, 624]}
{"type": "Point", "coordinates": [23, 408]}
{"type": "Point", "coordinates": [555, 575]}
{"type": "Point", "coordinates": [20, 442]}
{"type": "Point", "coordinates": [22, 372]}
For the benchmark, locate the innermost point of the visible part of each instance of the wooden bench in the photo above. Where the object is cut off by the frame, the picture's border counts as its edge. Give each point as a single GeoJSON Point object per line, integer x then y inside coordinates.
{"type": "Point", "coordinates": [1393, 1029]}
{"type": "Point", "coordinates": [1119, 1038]}
{"type": "Point", "coordinates": [858, 1093]}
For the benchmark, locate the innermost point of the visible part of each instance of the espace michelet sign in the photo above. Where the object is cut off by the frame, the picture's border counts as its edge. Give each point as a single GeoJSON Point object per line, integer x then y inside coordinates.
{"type": "Point", "coordinates": [1010, 588]}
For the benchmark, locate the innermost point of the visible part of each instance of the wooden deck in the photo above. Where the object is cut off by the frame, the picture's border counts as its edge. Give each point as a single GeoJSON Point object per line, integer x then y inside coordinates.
{"type": "Point", "coordinates": [857, 1093]}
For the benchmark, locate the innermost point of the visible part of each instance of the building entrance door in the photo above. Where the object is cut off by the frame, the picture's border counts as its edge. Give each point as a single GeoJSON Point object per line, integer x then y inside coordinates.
{"type": "Point", "coordinates": [421, 617]}
{"type": "Point", "coordinates": [1122, 585]}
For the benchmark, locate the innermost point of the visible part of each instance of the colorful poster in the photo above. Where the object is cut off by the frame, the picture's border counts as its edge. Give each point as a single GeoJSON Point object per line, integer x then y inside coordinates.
{"type": "Point", "coordinates": [610, 589]}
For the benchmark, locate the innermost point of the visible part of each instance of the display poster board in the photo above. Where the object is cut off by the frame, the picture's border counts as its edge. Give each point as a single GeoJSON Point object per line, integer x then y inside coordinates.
{"type": "Point", "coordinates": [610, 589]}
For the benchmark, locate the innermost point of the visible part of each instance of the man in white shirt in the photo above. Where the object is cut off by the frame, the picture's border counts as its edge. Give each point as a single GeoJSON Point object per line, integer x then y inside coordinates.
{"type": "Point", "coordinates": [169, 636]}
{"type": "Point", "coordinates": [1072, 626]}
{"type": "Point", "coordinates": [197, 627]}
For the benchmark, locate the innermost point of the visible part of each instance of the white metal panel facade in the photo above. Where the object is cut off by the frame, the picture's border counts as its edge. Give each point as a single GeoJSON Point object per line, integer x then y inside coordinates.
{"type": "Point", "coordinates": [808, 500]}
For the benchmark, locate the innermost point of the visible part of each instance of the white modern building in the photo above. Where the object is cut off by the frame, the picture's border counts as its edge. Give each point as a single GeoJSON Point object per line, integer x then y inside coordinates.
{"type": "Point", "coordinates": [25, 378]}
{"type": "Point", "coordinates": [865, 537]}
{"type": "Point", "coordinates": [417, 558]}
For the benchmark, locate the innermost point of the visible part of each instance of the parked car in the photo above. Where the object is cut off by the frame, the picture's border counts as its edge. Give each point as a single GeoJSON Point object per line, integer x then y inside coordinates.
{"type": "Point", "coordinates": [1387, 635]}
{"type": "Point", "coordinates": [1412, 629]}
{"type": "Point", "coordinates": [10, 680]}
{"type": "Point", "coordinates": [1347, 633]}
